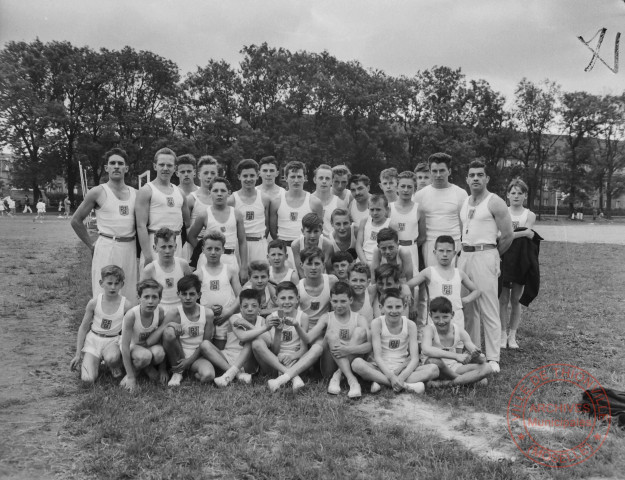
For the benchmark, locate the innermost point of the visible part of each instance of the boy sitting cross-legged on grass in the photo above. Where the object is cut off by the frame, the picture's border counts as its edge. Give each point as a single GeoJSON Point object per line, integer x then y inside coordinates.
{"type": "Point", "coordinates": [98, 335]}
{"type": "Point", "coordinates": [236, 358]}
{"type": "Point", "coordinates": [220, 285]}
{"type": "Point", "coordinates": [395, 351]}
{"type": "Point", "coordinates": [142, 351]}
{"type": "Point", "coordinates": [282, 348]}
{"type": "Point", "coordinates": [442, 344]}
{"type": "Point", "coordinates": [259, 280]}
{"type": "Point", "coordinates": [167, 269]}
{"type": "Point", "coordinates": [278, 271]}
{"type": "Point", "coordinates": [183, 332]}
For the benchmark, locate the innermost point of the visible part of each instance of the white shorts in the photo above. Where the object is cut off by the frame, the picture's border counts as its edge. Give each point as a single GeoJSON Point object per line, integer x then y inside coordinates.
{"type": "Point", "coordinates": [95, 344]}
{"type": "Point", "coordinates": [257, 250]}
{"type": "Point", "coordinates": [231, 354]}
{"type": "Point", "coordinates": [221, 332]}
{"type": "Point", "coordinates": [123, 254]}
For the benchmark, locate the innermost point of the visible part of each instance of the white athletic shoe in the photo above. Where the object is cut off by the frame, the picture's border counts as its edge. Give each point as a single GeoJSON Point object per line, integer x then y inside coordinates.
{"type": "Point", "coordinates": [375, 387]}
{"type": "Point", "coordinates": [417, 388]}
{"type": "Point", "coordinates": [245, 378]}
{"type": "Point", "coordinates": [354, 391]}
{"type": "Point", "coordinates": [298, 384]}
{"type": "Point", "coordinates": [223, 381]}
{"type": "Point", "coordinates": [512, 343]}
{"type": "Point", "coordinates": [334, 387]}
{"type": "Point", "coordinates": [494, 366]}
{"type": "Point", "coordinates": [274, 384]}
{"type": "Point", "coordinates": [175, 380]}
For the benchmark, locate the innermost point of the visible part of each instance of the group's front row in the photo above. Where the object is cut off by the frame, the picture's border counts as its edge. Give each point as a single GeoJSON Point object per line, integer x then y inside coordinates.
{"type": "Point", "coordinates": [203, 339]}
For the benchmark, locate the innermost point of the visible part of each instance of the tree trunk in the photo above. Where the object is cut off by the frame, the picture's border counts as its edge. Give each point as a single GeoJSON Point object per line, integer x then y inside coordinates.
{"type": "Point", "coordinates": [608, 194]}
{"type": "Point", "coordinates": [36, 191]}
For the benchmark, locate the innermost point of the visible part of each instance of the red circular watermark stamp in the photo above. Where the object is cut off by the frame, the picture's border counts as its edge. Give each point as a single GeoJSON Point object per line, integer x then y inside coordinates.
{"type": "Point", "coordinates": [548, 420]}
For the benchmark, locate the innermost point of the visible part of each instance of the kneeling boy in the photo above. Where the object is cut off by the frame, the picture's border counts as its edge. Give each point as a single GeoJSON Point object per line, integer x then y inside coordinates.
{"type": "Point", "coordinates": [442, 344]}
{"type": "Point", "coordinates": [98, 335]}
{"type": "Point", "coordinates": [142, 351]}
{"type": "Point", "coordinates": [395, 351]}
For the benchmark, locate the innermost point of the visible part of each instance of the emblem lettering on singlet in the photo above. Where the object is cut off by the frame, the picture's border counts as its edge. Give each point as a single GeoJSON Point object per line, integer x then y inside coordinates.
{"type": "Point", "coordinates": [194, 331]}
{"type": "Point", "coordinates": [374, 235]}
{"type": "Point", "coordinates": [106, 323]}
{"type": "Point", "coordinates": [249, 215]}
{"type": "Point", "coordinates": [515, 225]}
{"type": "Point", "coordinates": [143, 336]}
{"type": "Point", "coordinates": [223, 229]}
{"type": "Point", "coordinates": [344, 334]}
{"type": "Point", "coordinates": [402, 227]}
{"type": "Point", "coordinates": [393, 344]}
{"type": "Point", "coordinates": [124, 210]}
{"type": "Point", "coordinates": [447, 289]}
{"type": "Point", "coordinates": [293, 216]}
{"type": "Point", "coordinates": [287, 335]}
{"type": "Point", "coordinates": [213, 285]}
{"type": "Point", "coordinates": [169, 282]}
{"type": "Point", "coordinates": [170, 202]}
{"type": "Point", "coordinates": [315, 305]}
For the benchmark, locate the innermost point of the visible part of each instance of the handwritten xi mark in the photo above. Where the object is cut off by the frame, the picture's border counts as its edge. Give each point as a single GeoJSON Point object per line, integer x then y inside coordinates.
{"type": "Point", "coordinates": [595, 52]}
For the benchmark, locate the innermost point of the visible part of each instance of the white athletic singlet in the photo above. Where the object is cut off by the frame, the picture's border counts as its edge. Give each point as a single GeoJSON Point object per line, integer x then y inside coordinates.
{"type": "Point", "coordinates": [290, 339]}
{"type": "Point", "coordinates": [285, 278]}
{"type": "Point", "coordinates": [370, 237]}
{"type": "Point", "coordinates": [217, 290]}
{"type": "Point", "coordinates": [394, 346]}
{"type": "Point", "coordinates": [198, 207]}
{"type": "Point", "coordinates": [229, 228]}
{"type": "Point", "coordinates": [115, 217]}
{"type": "Point", "coordinates": [478, 224]}
{"type": "Point", "coordinates": [302, 241]}
{"type": "Point", "coordinates": [436, 340]}
{"type": "Point", "coordinates": [352, 242]}
{"type": "Point", "coordinates": [519, 220]}
{"type": "Point", "coordinates": [169, 281]}
{"type": "Point", "coordinates": [407, 223]}
{"type": "Point", "coordinates": [108, 324]}
{"type": "Point", "coordinates": [366, 310]}
{"type": "Point", "coordinates": [327, 213]}
{"type": "Point", "coordinates": [290, 219]}
{"type": "Point", "coordinates": [357, 215]}
{"type": "Point", "coordinates": [140, 333]}
{"type": "Point", "coordinates": [343, 331]}
{"type": "Point", "coordinates": [192, 332]}
{"type": "Point", "coordinates": [439, 287]}
{"type": "Point", "coordinates": [440, 207]}
{"type": "Point", "coordinates": [314, 307]}
{"type": "Point", "coordinates": [253, 215]}
{"type": "Point", "coordinates": [165, 210]}
{"type": "Point", "coordinates": [232, 341]}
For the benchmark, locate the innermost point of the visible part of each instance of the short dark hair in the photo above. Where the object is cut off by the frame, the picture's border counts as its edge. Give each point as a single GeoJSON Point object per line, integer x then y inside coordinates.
{"type": "Point", "coordinates": [441, 305]}
{"type": "Point", "coordinates": [245, 164]}
{"type": "Point", "coordinates": [477, 164]}
{"type": "Point", "coordinates": [215, 235]}
{"type": "Point", "coordinates": [220, 180]}
{"type": "Point", "coordinates": [310, 254]}
{"type": "Point", "coordinates": [113, 271]}
{"type": "Point", "coordinates": [258, 266]}
{"type": "Point", "coordinates": [149, 283]}
{"type": "Point", "coordinates": [189, 281]}
{"type": "Point", "coordinates": [249, 294]}
{"type": "Point", "coordinates": [340, 288]}
{"type": "Point", "coordinates": [440, 157]}
{"type": "Point", "coordinates": [164, 233]}
{"type": "Point", "coordinates": [341, 256]}
{"type": "Point", "coordinates": [387, 234]}
{"type": "Point", "coordinates": [422, 167]}
{"type": "Point", "coordinates": [186, 159]}
{"type": "Point", "coordinates": [269, 160]}
{"type": "Point", "coordinates": [375, 198]}
{"type": "Point", "coordinates": [387, 270]}
{"type": "Point", "coordinates": [286, 285]}
{"type": "Point", "coordinates": [277, 243]}
{"type": "Point", "coordinates": [391, 293]}
{"type": "Point", "coordinates": [294, 166]}
{"type": "Point", "coordinates": [359, 267]}
{"type": "Point", "coordinates": [312, 220]}
{"type": "Point", "coordinates": [116, 151]}
{"type": "Point", "coordinates": [358, 179]}
{"type": "Point", "coordinates": [444, 239]}
{"type": "Point", "coordinates": [340, 170]}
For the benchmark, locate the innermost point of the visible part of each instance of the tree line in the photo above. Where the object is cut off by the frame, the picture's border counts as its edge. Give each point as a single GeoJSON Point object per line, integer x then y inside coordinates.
{"type": "Point", "coordinates": [61, 104]}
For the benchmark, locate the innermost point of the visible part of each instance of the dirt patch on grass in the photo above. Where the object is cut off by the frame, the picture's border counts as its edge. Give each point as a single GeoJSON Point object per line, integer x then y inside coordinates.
{"type": "Point", "coordinates": [484, 434]}
{"type": "Point", "coordinates": [37, 286]}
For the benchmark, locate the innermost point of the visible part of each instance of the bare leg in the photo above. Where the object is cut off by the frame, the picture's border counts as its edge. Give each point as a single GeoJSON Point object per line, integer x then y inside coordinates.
{"type": "Point", "coordinates": [172, 346]}
{"type": "Point", "coordinates": [203, 370]}
{"type": "Point", "coordinates": [89, 369]}
{"type": "Point", "coordinates": [472, 373]}
{"type": "Point", "coordinates": [266, 359]}
{"type": "Point", "coordinates": [515, 313]}
{"type": "Point", "coordinates": [504, 315]}
{"type": "Point", "coordinates": [112, 357]}
{"type": "Point", "coordinates": [369, 372]}
{"type": "Point", "coordinates": [423, 374]}
{"type": "Point", "coordinates": [214, 355]}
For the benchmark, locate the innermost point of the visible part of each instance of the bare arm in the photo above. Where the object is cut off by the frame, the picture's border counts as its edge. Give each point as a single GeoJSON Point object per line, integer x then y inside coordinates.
{"type": "Point", "coordinates": [313, 334]}
{"type": "Point", "coordinates": [296, 260]}
{"type": "Point", "coordinates": [406, 263]}
{"type": "Point", "coordinates": [316, 206]}
{"type": "Point", "coordinates": [428, 349]}
{"type": "Point", "coordinates": [89, 203]}
{"type": "Point", "coordinates": [413, 350]}
{"type": "Point", "coordinates": [529, 233]}
{"type": "Point", "coordinates": [127, 327]}
{"type": "Point", "coordinates": [142, 213]}
{"type": "Point", "coordinates": [419, 278]}
{"type": "Point", "coordinates": [502, 218]}
{"type": "Point", "coordinates": [186, 215]}
{"type": "Point", "coordinates": [471, 287]}
{"type": "Point", "coordinates": [272, 218]}
{"type": "Point", "coordinates": [360, 240]}
{"type": "Point", "coordinates": [85, 325]}
{"type": "Point", "coordinates": [196, 228]}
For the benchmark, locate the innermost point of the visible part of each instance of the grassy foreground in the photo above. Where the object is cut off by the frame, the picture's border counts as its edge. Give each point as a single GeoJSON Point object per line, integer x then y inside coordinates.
{"type": "Point", "coordinates": [246, 432]}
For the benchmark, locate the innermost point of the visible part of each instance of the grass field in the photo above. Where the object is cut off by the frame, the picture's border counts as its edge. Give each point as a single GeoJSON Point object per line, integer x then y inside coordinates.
{"type": "Point", "coordinates": [246, 432]}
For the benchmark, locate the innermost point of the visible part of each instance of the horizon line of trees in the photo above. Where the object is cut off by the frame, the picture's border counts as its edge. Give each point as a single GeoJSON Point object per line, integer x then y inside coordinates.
{"type": "Point", "coordinates": [61, 104]}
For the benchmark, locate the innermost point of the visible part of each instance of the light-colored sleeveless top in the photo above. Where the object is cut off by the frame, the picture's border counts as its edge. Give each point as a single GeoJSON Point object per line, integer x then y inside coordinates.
{"type": "Point", "coordinates": [165, 210]}
{"type": "Point", "coordinates": [107, 323]}
{"type": "Point", "coordinates": [478, 224]}
{"type": "Point", "coordinates": [229, 228]}
{"type": "Point", "coordinates": [169, 281]}
{"type": "Point", "coordinates": [451, 289]}
{"type": "Point", "coordinates": [519, 220]}
{"type": "Point", "coordinates": [192, 332]}
{"type": "Point", "coordinates": [140, 333]}
{"type": "Point", "coordinates": [116, 217]}
{"type": "Point", "coordinates": [290, 219]}
{"type": "Point", "coordinates": [314, 307]}
{"type": "Point", "coordinates": [407, 223]}
{"type": "Point", "coordinates": [253, 214]}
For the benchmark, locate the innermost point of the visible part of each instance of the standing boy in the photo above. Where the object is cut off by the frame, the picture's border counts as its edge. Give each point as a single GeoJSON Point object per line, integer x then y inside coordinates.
{"type": "Point", "coordinates": [41, 211]}
{"type": "Point", "coordinates": [185, 171]}
{"type": "Point", "coordinates": [404, 215]}
{"type": "Point", "coordinates": [268, 172]}
{"type": "Point", "coordinates": [388, 184]}
{"type": "Point", "coordinates": [98, 335]}
{"type": "Point", "coordinates": [323, 191]}
{"type": "Point", "coordinates": [340, 177]}
{"type": "Point", "coordinates": [359, 186]}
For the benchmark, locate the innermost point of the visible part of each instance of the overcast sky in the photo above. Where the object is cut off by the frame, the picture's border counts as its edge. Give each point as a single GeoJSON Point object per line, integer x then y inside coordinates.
{"type": "Point", "coordinates": [501, 41]}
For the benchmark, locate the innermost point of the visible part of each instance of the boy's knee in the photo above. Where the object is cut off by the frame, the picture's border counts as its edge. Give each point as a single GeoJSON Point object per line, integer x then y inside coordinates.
{"type": "Point", "coordinates": [158, 354]}
{"type": "Point", "coordinates": [357, 365]}
{"type": "Point", "coordinates": [111, 356]}
{"type": "Point", "coordinates": [258, 344]}
{"type": "Point", "coordinates": [169, 335]}
{"type": "Point", "coordinates": [205, 376]}
{"type": "Point", "coordinates": [88, 378]}
{"type": "Point", "coordinates": [141, 358]}
{"type": "Point", "coordinates": [432, 371]}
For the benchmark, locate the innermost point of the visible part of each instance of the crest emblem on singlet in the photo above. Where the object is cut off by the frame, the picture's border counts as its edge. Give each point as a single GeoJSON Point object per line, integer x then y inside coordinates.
{"type": "Point", "coordinates": [124, 210]}
{"type": "Point", "coordinates": [515, 225]}
{"type": "Point", "coordinates": [170, 202]}
{"type": "Point", "coordinates": [447, 289]}
{"type": "Point", "coordinates": [402, 226]}
{"type": "Point", "coordinates": [106, 323]}
{"type": "Point", "coordinates": [287, 335]}
{"type": "Point", "coordinates": [249, 215]}
{"type": "Point", "coordinates": [169, 282]}
{"type": "Point", "coordinates": [293, 216]}
{"type": "Point", "coordinates": [344, 334]}
{"type": "Point", "coordinates": [214, 285]}
{"type": "Point", "coordinates": [314, 305]}
{"type": "Point", "coordinates": [393, 344]}
{"type": "Point", "coordinates": [194, 331]}
{"type": "Point", "coordinates": [374, 235]}
{"type": "Point", "coordinates": [223, 229]}
{"type": "Point", "coordinates": [143, 336]}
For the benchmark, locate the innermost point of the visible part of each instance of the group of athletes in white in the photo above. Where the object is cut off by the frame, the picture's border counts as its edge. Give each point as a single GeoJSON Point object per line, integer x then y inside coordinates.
{"type": "Point", "coordinates": [285, 280]}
